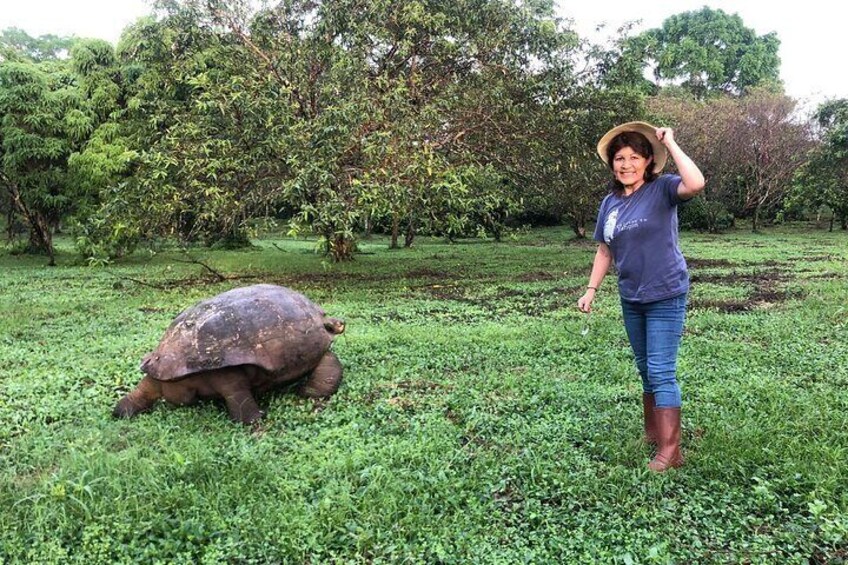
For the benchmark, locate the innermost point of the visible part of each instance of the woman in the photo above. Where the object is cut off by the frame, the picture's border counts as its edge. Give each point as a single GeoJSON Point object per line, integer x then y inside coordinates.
{"type": "Point", "coordinates": [637, 228]}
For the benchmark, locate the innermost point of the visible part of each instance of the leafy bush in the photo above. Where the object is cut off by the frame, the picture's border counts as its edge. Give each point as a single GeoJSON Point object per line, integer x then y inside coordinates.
{"type": "Point", "coordinates": [706, 215]}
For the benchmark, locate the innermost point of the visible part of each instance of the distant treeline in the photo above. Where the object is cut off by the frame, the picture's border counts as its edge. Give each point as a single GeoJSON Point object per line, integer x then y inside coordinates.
{"type": "Point", "coordinates": [453, 119]}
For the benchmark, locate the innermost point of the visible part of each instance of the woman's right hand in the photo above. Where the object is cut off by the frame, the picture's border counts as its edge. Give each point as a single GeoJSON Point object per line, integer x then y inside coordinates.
{"type": "Point", "coordinates": [585, 301]}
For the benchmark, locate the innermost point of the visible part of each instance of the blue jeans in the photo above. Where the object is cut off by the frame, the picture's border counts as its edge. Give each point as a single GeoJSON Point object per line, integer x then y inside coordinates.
{"type": "Point", "coordinates": [654, 330]}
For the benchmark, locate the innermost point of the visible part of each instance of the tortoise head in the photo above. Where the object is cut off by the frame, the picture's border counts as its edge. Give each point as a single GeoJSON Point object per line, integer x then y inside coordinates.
{"type": "Point", "coordinates": [334, 325]}
{"type": "Point", "coordinates": [145, 361]}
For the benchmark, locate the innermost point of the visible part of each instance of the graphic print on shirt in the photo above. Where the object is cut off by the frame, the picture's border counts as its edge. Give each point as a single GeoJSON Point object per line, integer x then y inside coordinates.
{"type": "Point", "coordinates": [609, 226]}
{"type": "Point", "coordinates": [613, 228]}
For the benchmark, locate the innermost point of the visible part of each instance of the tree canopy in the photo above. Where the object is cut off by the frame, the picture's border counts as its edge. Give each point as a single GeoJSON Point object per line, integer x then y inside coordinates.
{"type": "Point", "coordinates": [709, 51]}
{"type": "Point", "coordinates": [449, 119]}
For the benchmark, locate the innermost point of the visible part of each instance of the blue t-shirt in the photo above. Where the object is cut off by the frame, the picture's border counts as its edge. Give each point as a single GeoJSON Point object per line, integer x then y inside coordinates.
{"type": "Point", "coordinates": [641, 232]}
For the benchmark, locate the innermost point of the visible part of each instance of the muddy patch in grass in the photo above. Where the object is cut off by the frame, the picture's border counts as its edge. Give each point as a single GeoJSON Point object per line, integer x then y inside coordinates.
{"type": "Point", "coordinates": [826, 276]}
{"type": "Point", "coordinates": [696, 263]}
{"type": "Point", "coordinates": [768, 289]}
{"type": "Point", "coordinates": [328, 279]}
{"type": "Point", "coordinates": [727, 306]}
{"type": "Point", "coordinates": [508, 301]}
{"type": "Point", "coordinates": [734, 278]}
{"type": "Point", "coordinates": [537, 276]}
{"type": "Point", "coordinates": [816, 258]}
{"type": "Point", "coordinates": [428, 273]}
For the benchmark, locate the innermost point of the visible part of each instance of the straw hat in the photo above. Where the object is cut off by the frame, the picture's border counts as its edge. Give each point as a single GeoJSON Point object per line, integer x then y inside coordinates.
{"type": "Point", "coordinates": [646, 129]}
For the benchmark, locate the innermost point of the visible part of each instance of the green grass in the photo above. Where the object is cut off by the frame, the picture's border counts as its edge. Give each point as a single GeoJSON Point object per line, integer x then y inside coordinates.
{"type": "Point", "coordinates": [474, 424]}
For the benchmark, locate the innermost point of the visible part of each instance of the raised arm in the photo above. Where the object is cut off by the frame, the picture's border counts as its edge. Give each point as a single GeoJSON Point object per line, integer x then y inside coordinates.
{"type": "Point", "coordinates": [692, 180]}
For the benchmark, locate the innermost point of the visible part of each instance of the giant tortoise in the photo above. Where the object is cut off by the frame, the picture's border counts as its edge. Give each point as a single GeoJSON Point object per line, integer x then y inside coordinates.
{"type": "Point", "coordinates": [242, 342]}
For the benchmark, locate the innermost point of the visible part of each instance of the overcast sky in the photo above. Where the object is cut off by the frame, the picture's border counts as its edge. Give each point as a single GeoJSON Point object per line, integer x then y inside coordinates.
{"type": "Point", "coordinates": [812, 32]}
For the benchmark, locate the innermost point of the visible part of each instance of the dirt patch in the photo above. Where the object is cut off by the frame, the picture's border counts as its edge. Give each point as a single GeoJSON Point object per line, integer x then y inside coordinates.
{"type": "Point", "coordinates": [813, 258]}
{"type": "Point", "coordinates": [433, 279]}
{"type": "Point", "coordinates": [768, 278]}
{"type": "Point", "coordinates": [824, 276]}
{"type": "Point", "coordinates": [402, 404]}
{"type": "Point", "coordinates": [453, 292]}
{"type": "Point", "coordinates": [299, 280]}
{"type": "Point", "coordinates": [510, 300]}
{"type": "Point", "coordinates": [728, 306]}
{"type": "Point", "coordinates": [556, 291]}
{"type": "Point", "coordinates": [774, 296]}
{"type": "Point", "coordinates": [772, 263]}
{"type": "Point", "coordinates": [766, 292]}
{"type": "Point", "coordinates": [454, 417]}
{"type": "Point", "coordinates": [582, 242]}
{"type": "Point", "coordinates": [537, 276]}
{"type": "Point", "coordinates": [419, 386]}
{"type": "Point", "coordinates": [695, 263]}
{"type": "Point", "coordinates": [327, 279]}
{"type": "Point", "coordinates": [427, 273]}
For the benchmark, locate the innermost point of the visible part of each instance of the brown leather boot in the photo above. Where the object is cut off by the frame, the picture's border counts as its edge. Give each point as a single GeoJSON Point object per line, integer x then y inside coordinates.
{"type": "Point", "coordinates": [667, 421]}
{"type": "Point", "coordinates": [648, 414]}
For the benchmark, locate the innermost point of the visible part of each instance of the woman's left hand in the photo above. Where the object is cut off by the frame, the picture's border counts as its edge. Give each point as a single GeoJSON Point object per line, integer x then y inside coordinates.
{"type": "Point", "coordinates": [666, 136]}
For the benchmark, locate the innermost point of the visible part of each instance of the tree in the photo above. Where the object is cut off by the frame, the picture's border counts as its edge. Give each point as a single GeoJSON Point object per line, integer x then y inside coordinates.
{"type": "Point", "coordinates": [772, 145]}
{"type": "Point", "coordinates": [50, 108]}
{"type": "Point", "coordinates": [106, 158]}
{"type": "Point", "coordinates": [354, 100]}
{"type": "Point", "coordinates": [32, 68]}
{"type": "Point", "coordinates": [43, 123]}
{"type": "Point", "coordinates": [547, 144]}
{"type": "Point", "coordinates": [823, 181]}
{"type": "Point", "coordinates": [705, 128]}
{"type": "Point", "coordinates": [749, 147]}
{"type": "Point", "coordinates": [577, 178]}
{"type": "Point", "coordinates": [17, 44]}
{"type": "Point", "coordinates": [620, 63]}
{"type": "Point", "coordinates": [709, 51]}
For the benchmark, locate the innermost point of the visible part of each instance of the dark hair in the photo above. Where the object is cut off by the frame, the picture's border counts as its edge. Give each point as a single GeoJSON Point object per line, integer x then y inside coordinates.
{"type": "Point", "coordinates": [640, 145]}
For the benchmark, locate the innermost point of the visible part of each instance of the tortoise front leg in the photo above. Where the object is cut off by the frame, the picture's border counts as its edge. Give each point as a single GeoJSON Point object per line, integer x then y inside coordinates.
{"type": "Point", "coordinates": [142, 399]}
{"type": "Point", "coordinates": [234, 387]}
{"type": "Point", "coordinates": [325, 379]}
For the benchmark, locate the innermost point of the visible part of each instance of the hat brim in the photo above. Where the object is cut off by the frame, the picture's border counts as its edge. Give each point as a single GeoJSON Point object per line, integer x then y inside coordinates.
{"type": "Point", "coordinates": [646, 129]}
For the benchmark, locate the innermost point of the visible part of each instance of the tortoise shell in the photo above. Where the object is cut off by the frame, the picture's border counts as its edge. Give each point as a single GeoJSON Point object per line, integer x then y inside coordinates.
{"type": "Point", "coordinates": [272, 327]}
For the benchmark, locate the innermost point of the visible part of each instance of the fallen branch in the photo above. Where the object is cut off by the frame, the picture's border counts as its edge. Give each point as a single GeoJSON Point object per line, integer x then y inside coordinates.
{"type": "Point", "coordinates": [193, 261]}
{"type": "Point", "coordinates": [136, 281]}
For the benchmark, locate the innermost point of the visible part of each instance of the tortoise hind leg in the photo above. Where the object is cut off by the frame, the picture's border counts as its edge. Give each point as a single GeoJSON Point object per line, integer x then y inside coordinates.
{"type": "Point", "coordinates": [325, 378]}
{"type": "Point", "coordinates": [142, 399]}
{"type": "Point", "coordinates": [234, 387]}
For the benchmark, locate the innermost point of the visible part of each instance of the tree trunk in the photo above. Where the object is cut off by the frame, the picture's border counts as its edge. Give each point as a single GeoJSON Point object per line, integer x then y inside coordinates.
{"type": "Point", "coordinates": [755, 220]}
{"type": "Point", "coordinates": [10, 224]}
{"type": "Point", "coordinates": [578, 228]}
{"type": "Point", "coordinates": [395, 231]}
{"type": "Point", "coordinates": [41, 240]}
{"type": "Point", "coordinates": [41, 237]}
{"type": "Point", "coordinates": [369, 226]}
{"type": "Point", "coordinates": [342, 248]}
{"type": "Point", "coordinates": [410, 234]}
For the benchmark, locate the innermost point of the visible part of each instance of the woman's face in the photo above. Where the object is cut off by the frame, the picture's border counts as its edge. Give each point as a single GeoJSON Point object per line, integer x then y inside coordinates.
{"type": "Point", "coordinates": [629, 167]}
